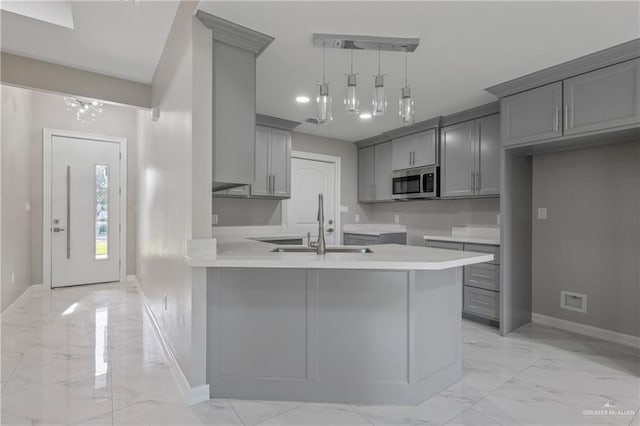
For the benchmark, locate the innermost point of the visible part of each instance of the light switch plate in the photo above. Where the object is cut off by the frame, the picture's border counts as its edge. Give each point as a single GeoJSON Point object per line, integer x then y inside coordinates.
{"type": "Point", "coordinates": [396, 218]}
{"type": "Point", "coordinates": [214, 219]}
{"type": "Point", "coordinates": [542, 213]}
{"type": "Point", "coordinates": [344, 209]}
{"type": "Point", "coordinates": [357, 218]}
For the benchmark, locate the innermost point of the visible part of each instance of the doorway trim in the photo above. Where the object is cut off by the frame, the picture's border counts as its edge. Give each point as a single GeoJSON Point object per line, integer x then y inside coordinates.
{"type": "Point", "coordinates": [337, 190]}
{"type": "Point", "coordinates": [47, 136]}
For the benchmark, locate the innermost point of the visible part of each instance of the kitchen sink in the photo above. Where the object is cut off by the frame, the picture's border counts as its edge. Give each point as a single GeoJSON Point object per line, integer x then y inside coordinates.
{"type": "Point", "coordinates": [303, 249]}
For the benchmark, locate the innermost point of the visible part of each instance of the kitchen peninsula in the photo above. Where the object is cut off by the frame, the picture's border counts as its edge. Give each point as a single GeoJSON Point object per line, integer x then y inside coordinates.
{"type": "Point", "coordinates": [377, 327]}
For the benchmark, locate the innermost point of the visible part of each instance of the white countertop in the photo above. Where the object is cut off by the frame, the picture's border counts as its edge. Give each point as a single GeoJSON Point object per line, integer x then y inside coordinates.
{"type": "Point", "coordinates": [376, 229]}
{"type": "Point", "coordinates": [469, 234]}
{"type": "Point", "coordinates": [233, 252]}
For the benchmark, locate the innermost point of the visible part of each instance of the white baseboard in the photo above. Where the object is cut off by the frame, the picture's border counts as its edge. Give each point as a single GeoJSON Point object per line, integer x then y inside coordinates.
{"type": "Point", "coordinates": [191, 395]}
{"type": "Point", "coordinates": [587, 330]}
{"type": "Point", "coordinates": [20, 300]}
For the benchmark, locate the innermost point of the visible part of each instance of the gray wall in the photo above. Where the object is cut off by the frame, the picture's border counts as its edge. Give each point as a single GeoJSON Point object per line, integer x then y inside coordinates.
{"type": "Point", "coordinates": [436, 216]}
{"type": "Point", "coordinates": [590, 242]}
{"type": "Point", "coordinates": [50, 111]}
{"type": "Point", "coordinates": [244, 212]}
{"type": "Point", "coordinates": [15, 229]}
{"type": "Point", "coordinates": [174, 190]}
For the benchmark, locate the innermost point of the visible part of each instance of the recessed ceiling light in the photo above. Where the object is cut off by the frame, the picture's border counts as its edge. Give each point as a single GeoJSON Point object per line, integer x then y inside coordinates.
{"type": "Point", "coordinates": [302, 99]}
{"type": "Point", "coordinates": [365, 116]}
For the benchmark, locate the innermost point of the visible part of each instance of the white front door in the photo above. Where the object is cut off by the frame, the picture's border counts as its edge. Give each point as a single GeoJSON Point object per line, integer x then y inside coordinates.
{"type": "Point", "coordinates": [308, 179]}
{"type": "Point", "coordinates": [85, 211]}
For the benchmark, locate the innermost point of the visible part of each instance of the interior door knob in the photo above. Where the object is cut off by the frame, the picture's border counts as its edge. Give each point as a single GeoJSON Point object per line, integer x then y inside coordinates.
{"type": "Point", "coordinates": [58, 229]}
{"type": "Point", "coordinates": [330, 230]}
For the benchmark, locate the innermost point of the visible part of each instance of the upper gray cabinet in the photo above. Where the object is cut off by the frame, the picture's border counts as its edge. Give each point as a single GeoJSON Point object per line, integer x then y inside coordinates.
{"type": "Point", "coordinates": [471, 158]}
{"type": "Point", "coordinates": [416, 150]}
{"type": "Point", "coordinates": [235, 49]}
{"type": "Point", "coordinates": [606, 98]}
{"type": "Point", "coordinates": [589, 103]}
{"type": "Point", "coordinates": [375, 173]}
{"type": "Point", "coordinates": [532, 115]}
{"type": "Point", "coordinates": [273, 163]}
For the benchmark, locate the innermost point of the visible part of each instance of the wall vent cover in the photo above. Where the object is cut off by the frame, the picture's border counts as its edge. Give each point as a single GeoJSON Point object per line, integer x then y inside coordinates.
{"type": "Point", "coordinates": [573, 301]}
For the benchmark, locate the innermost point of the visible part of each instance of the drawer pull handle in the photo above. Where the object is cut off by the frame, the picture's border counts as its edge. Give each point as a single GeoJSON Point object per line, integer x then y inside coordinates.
{"type": "Point", "coordinates": [482, 276]}
{"type": "Point", "coordinates": [482, 303]}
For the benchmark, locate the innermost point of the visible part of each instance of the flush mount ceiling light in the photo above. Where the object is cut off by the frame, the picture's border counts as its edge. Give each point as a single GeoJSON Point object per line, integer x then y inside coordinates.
{"type": "Point", "coordinates": [379, 99]}
{"type": "Point", "coordinates": [302, 99]}
{"type": "Point", "coordinates": [84, 109]}
{"type": "Point", "coordinates": [324, 100]}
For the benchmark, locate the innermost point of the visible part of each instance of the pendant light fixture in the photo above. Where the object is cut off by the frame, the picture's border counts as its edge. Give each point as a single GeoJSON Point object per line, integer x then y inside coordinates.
{"type": "Point", "coordinates": [351, 102]}
{"type": "Point", "coordinates": [379, 103]}
{"type": "Point", "coordinates": [324, 100]}
{"type": "Point", "coordinates": [406, 110]}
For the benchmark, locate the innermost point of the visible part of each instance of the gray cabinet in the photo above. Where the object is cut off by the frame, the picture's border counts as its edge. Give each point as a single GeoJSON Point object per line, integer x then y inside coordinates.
{"type": "Point", "coordinates": [375, 173]}
{"type": "Point", "coordinates": [471, 158]}
{"type": "Point", "coordinates": [366, 174]}
{"type": "Point", "coordinates": [273, 163]}
{"type": "Point", "coordinates": [355, 239]}
{"type": "Point", "coordinates": [416, 150]}
{"type": "Point", "coordinates": [606, 98]}
{"type": "Point", "coordinates": [488, 155]}
{"type": "Point", "coordinates": [532, 115]}
{"type": "Point", "coordinates": [481, 282]}
{"type": "Point", "coordinates": [602, 99]}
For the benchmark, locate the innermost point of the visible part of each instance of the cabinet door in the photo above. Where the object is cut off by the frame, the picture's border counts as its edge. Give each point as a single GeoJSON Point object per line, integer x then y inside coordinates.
{"type": "Point", "coordinates": [280, 169]}
{"type": "Point", "coordinates": [488, 155]}
{"type": "Point", "coordinates": [424, 148]}
{"type": "Point", "coordinates": [366, 176]}
{"type": "Point", "coordinates": [602, 99]}
{"type": "Point", "coordinates": [261, 185]}
{"type": "Point", "coordinates": [383, 172]}
{"type": "Point", "coordinates": [402, 152]}
{"type": "Point", "coordinates": [457, 173]}
{"type": "Point", "coordinates": [533, 115]}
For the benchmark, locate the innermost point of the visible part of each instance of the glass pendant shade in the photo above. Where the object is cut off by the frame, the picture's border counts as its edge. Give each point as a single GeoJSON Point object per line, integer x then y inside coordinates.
{"type": "Point", "coordinates": [324, 104]}
{"type": "Point", "coordinates": [406, 109]}
{"type": "Point", "coordinates": [351, 102]}
{"type": "Point", "coordinates": [379, 103]}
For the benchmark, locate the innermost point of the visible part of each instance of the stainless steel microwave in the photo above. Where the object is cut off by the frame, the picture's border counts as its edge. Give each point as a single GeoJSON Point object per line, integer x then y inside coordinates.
{"type": "Point", "coordinates": [423, 182]}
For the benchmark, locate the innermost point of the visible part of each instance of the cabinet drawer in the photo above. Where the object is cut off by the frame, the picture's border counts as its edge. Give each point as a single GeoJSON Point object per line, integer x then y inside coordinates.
{"type": "Point", "coordinates": [443, 245]}
{"type": "Point", "coordinates": [484, 303]}
{"type": "Point", "coordinates": [360, 239]}
{"type": "Point", "coordinates": [483, 275]}
{"type": "Point", "coordinates": [483, 248]}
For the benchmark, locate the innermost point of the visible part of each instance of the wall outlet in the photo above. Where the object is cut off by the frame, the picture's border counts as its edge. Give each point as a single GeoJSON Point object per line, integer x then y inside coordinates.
{"type": "Point", "coordinates": [573, 301]}
{"type": "Point", "coordinates": [165, 302]}
{"type": "Point", "coordinates": [396, 218]}
{"type": "Point", "coordinates": [542, 213]}
{"type": "Point", "coordinates": [344, 209]}
{"type": "Point", "coordinates": [214, 219]}
{"type": "Point", "coordinates": [13, 278]}
{"type": "Point", "coordinates": [357, 218]}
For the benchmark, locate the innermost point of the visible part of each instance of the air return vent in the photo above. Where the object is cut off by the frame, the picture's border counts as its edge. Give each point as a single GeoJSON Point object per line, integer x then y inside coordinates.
{"type": "Point", "coordinates": [573, 301]}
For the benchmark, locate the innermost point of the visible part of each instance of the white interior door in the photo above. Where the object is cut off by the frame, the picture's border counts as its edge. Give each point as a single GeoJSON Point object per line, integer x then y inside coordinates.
{"type": "Point", "coordinates": [308, 179]}
{"type": "Point", "coordinates": [85, 211]}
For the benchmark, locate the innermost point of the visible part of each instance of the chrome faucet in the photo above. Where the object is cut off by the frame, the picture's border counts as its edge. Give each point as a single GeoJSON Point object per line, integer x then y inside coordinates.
{"type": "Point", "coordinates": [321, 247]}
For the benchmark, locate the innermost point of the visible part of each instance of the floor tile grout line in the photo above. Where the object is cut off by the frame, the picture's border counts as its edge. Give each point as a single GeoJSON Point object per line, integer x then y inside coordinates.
{"type": "Point", "coordinates": [236, 413]}
{"type": "Point", "coordinates": [299, 404]}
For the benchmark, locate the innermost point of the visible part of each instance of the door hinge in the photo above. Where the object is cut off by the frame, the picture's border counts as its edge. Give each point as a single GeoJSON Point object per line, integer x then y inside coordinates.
{"type": "Point", "coordinates": [120, 154]}
{"type": "Point", "coordinates": [119, 191]}
{"type": "Point", "coordinates": [119, 227]}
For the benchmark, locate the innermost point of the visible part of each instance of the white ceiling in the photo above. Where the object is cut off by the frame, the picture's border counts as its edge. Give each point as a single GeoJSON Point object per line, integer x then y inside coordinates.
{"type": "Point", "coordinates": [465, 47]}
{"type": "Point", "coordinates": [121, 39]}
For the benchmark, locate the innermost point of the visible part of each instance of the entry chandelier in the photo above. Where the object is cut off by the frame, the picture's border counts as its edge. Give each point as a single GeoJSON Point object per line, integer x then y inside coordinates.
{"type": "Point", "coordinates": [85, 110]}
{"type": "Point", "coordinates": [379, 99]}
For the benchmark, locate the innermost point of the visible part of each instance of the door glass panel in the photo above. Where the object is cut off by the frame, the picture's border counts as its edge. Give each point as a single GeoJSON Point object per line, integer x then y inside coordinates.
{"type": "Point", "coordinates": [102, 212]}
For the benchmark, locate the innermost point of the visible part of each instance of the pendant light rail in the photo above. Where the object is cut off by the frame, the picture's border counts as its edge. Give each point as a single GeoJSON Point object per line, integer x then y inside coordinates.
{"type": "Point", "coordinates": [360, 42]}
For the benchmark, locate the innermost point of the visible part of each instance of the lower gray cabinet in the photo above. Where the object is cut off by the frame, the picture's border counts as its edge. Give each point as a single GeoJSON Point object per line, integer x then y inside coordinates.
{"type": "Point", "coordinates": [352, 239]}
{"type": "Point", "coordinates": [481, 282]}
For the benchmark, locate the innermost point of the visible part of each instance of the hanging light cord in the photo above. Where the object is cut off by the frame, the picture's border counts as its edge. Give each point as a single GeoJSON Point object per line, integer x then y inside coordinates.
{"type": "Point", "coordinates": [351, 61]}
{"type": "Point", "coordinates": [378, 59]}
{"type": "Point", "coordinates": [406, 55]}
{"type": "Point", "coordinates": [324, 48]}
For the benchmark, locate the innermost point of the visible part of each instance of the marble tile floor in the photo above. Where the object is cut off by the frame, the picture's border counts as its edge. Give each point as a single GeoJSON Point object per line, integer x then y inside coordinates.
{"type": "Point", "coordinates": [88, 356]}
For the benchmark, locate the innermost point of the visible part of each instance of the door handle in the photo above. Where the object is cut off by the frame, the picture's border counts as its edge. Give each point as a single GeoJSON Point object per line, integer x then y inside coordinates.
{"type": "Point", "coordinates": [566, 117]}
{"type": "Point", "coordinates": [330, 230]}
{"type": "Point", "coordinates": [58, 229]}
{"type": "Point", "coordinates": [478, 184]}
{"type": "Point", "coordinates": [556, 119]}
{"type": "Point", "coordinates": [473, 181]}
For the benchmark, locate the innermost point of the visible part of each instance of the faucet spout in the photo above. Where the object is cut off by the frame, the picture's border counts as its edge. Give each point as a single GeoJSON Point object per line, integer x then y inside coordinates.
{"type": "Point", "coordinates": [321, 246]}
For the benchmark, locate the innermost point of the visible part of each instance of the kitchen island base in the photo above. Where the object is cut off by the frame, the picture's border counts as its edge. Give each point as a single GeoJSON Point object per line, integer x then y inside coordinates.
{"type": "Point", "coordinates": [333, 335]}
